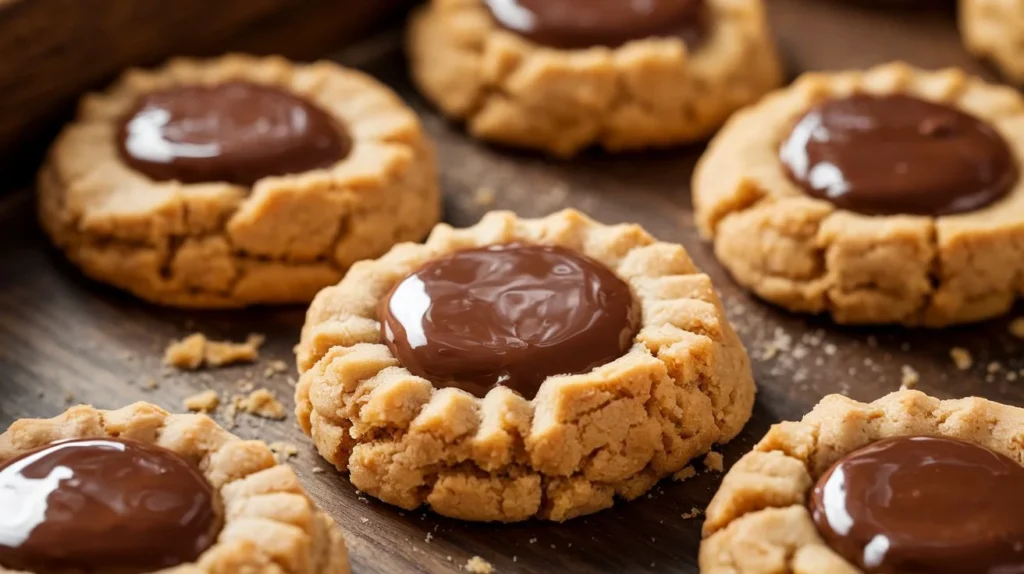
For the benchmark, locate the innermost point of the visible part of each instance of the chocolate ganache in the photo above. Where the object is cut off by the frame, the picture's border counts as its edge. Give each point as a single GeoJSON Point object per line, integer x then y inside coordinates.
{"type": "Point", "coordinates": [103, 505]}
{"type": "Point", "coordinates": [897, 154]}
{"type": "Point", "coordinates": [924, 505]}
{"type": "Point", "coordinates": [575, 24]}
{"type": "Point", "coordinates": [509, 315]}
{"type": "Point", "coordinates": [236, 132]}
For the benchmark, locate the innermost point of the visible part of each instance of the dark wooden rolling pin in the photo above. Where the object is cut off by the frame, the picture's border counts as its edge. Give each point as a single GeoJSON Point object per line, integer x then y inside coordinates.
{"type": "Point", "coordinates": [53, 50]}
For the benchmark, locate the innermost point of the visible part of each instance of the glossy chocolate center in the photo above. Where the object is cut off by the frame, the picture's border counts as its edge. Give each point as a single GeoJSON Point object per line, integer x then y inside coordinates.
{"type": "Point", "coordinates": [924, 505]}
{"type": "Point", "coordinates": [103, 505]}
{"type": "Point", "coordinates": [508, 315]}
{"type": "Point", "coordinates": [898, 155]}
{"type": "Point", "coordinates": [574, 24]}
{"type": "Point", "coordinates": [236, 132]}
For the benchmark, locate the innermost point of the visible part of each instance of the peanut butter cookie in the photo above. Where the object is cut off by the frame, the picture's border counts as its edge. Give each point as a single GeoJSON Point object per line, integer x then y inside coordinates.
{"type": "Point", "coordinates": [994, 31]}
{"type": "Point", "coordinates": [520, 368]}
{"type": "Point", "coordinates": [139, 490]}
{"type": "Point", "coordinates": [563, 75]}
{"type": "Point", "coordinates": [907, 483]}
{"type": "Point", "coordinates": [236, 181]}
{"type": "Point", "coordinates": [891, 195]}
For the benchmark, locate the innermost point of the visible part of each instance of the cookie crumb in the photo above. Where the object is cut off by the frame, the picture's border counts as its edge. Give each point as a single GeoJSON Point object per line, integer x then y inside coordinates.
{"type": "Point", "coordinates": [318, 470]}
{"type": "Point", "coordinates": [484, 197]}
{"type": "Point", "coordinates": [714, 462]}
{"type": "Point", "coordinates": [204, 402]}
{"type": "Point", "coordinates": [69, 397]}
{"type": "Point", "coordinates": [275, 367]}
{"type": "Point", "coordinates": [477, 565]}
{"type": "Point", "coordinates": [428, 538]}
{"type": "Point", "coordinates": [1017, 327]}
{"type": "Point", "coordinates": [684, 474]}
{"type": "Point", "coordinates": [363, 519]}
{"type": "Point", "coordinates": [910, 377]}
{"type": "Point", "coordinates": [151, 384]}
{"type": "Point", "coordinates": [283, 450]}
{"type": "Point", "coordinates": [197, 350]}
{"type": "Point", "coordinates": [994, 367]}
{"type": "Point", "coordinates": [961, 358]}
{"type": "Point", "coordinates": [693, 513]}
{"type": "Point", "coordinates": [262, 403]}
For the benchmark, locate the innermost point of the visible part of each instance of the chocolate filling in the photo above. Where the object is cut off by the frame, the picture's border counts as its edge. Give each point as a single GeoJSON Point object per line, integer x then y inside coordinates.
{"type": "Point", "coordinates": [103, 505]}
{"type": "Point", "coordinates": [917, 505]}
{"type": "Point", "coordinates": [575, 24]}
{"type": "Point", "coordinates": [508, 315]}
{"type": "Point", "coordinates": [236, 132]}
{"type": "Point", "coordinates": [898, 155]}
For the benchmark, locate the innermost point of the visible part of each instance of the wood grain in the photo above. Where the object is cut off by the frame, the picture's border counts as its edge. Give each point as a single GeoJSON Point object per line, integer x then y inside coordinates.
{"type": "Point", "coordinates": [60, 333]}
{"type": "Point", "coordinates": [54, 49]}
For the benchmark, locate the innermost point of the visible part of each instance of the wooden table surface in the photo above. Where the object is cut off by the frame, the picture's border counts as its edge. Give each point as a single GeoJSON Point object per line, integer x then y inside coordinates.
{"type": "Point", "coordinates": [65, 339]}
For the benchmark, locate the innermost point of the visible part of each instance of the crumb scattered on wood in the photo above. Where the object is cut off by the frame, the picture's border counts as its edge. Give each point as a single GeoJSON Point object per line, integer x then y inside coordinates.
{"type": "Point", "coordinates": [961, 358]}
{"type": "Point", "coordinates": [693, 513]}
{"type": "Point", "coordinates": [69, 397]}
{"type": "Point", "coordinates": [318, 470]}
{"type": "Point", "coordinates": [363, 519]}
{"type": "Point", "coordinates": [477, 565]}
{"type": "Point", "coordinates": [909, 377]}
{"type": "Point", "coordinates": [151, 384]}
{"type": "Point", "coordinates": [484, 197]}
{"type": "Point", "coordinates": [684, 474]}
{"type": "Point", "coordinates": [714, 462]}
{"type": "Point", "coordinates": [1017, 327]}
{"type": "Point", "coordinates": [204, 402]}
{"type": "Point", "coordinates": [283, 450]}
{"type": "Point", "coordinates": [275, 367]}
{"type": "Point", "coordinates": [196, 351]}
{"type": "Point", "coordinates": [262, 403]}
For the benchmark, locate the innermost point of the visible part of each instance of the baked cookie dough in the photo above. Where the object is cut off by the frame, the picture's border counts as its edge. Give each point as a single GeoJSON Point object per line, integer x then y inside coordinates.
{"type": "Point", "coordinates": [520, 368]}
{"type": "Point", "coordinates": [138, 490]}
{"type": "Point", "coordinates": [891, 195]}
{"type": "Point", "coordinates": [562, 76]}
{"type": "Point", "coordinates": [236, 181]}
{"type": "Point", "coordinates": [907, 483]}
{"type": "Point", "coordinates": [994, 31]}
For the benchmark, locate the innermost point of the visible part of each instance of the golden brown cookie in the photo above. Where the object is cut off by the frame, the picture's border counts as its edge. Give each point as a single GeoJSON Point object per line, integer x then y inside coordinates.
{"type": "Point", "coordinates": [994, 31]}
{"type": "Point", "coordinates": [558, 446]}
{"type": "Point", "coordinates": [910, 458]}
{"type": "Point", "coordinates": [236, 181]}
{"type": "Point", "coordinates": [151, 490]}
{"type": "Point", "coordinates": [927, 228]}
{"type": "Point", "coordinates": [671, 77]}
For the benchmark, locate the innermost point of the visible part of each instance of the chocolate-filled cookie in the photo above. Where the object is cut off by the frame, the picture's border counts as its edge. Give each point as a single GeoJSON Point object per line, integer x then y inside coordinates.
{"type": "Point", "coordinates": [907, 484]}
{"type": "Point", "coordinates": [137, 490]}
{"type": "Point", "coordinates": [520, 368]}
{"type": "Point", "coordinates": [236, 181]}
{"type": "Point", "coordinates": [993, 30]}
{"type": "Point", "coordinates": [562, 75]}
{"type": "Point", "coordinates": [891, 195]}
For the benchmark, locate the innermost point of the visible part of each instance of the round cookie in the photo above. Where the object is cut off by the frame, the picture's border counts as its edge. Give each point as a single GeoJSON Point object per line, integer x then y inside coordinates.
{"type": "Point", "coordinates": [994, 31]}
{"type": "Point", "coordinates": [522, 73]}
{"type": "Point", "coordinates": [195, 500]}
{"type": "Point", "coordinates": [236, 181]}
{"type": "Point", "coordinates": [496, 315]}
{"type": "Point", "coordinates": [907, 483]}
{"type": "Point", "coordinates": [891, 195]}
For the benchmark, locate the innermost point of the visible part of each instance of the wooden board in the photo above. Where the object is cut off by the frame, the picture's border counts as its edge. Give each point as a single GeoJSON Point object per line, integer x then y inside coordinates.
{"type": "Point", "coordinates": [60, 333]}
